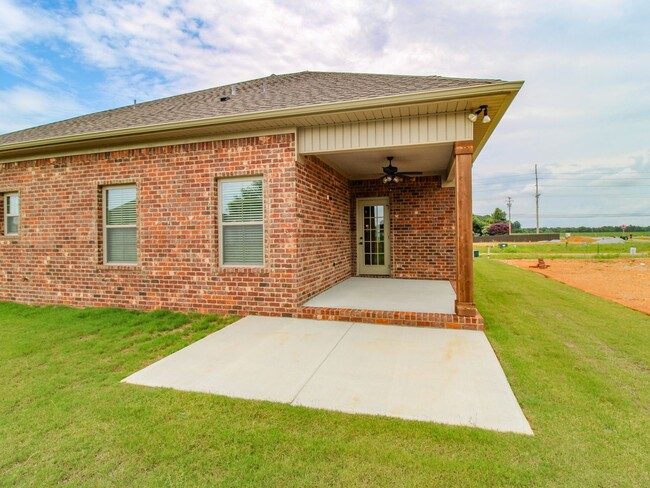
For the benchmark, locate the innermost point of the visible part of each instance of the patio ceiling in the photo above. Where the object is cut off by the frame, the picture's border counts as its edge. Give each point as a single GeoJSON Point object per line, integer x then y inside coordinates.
{"type": "Point", "coordinates": [367, 164]}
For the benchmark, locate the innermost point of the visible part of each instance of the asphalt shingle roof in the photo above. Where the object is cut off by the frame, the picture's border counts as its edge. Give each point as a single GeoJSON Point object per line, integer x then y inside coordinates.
{"type": "Point", "coordinates": [282, 91]}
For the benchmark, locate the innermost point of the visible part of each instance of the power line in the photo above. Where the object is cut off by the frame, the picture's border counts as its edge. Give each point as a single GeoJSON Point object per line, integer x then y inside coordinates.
{"type": "Point", "coordinates": [568, 176]}
{"type": "Point", "coordinates": [568, 173]}
{"type": "Point", "coordinates": [577, 190]}
{"type": "Point", "coordinates": [598, 195]}
{"type": "Point", "coordinates": [563, 178]}
{"type": "Point", "coordinates": [617, 178]}
{"type": "Point", "coordinates": [587, 216]}
{"type": "Point", "coordinates": [495, 186]}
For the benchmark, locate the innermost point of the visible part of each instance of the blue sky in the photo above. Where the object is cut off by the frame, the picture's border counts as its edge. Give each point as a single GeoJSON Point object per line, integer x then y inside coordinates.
{"type": "Point", "coordinates": [583, 115]}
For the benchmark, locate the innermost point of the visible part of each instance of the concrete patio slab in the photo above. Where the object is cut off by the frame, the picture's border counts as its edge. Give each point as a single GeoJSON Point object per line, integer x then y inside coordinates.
{"type": "Point", "coordinates": [258, 358]}
{"type": "Point", "coordinates": [388, 294]}
{"type": "Point", "coordinates": [446, 376]}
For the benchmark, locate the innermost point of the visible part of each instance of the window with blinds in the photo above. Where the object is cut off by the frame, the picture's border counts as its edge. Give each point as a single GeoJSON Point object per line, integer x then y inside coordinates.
{"type": "Point", "coordinates": [120, 237]}
{"type": "Point", "coordinates": [241, 222]}
{"type": "Point", "coordinates": [12, 213]}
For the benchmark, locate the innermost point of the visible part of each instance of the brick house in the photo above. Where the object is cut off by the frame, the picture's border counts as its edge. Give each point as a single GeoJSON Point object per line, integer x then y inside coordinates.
{"type": "Point", "coordinates": [251, 198]}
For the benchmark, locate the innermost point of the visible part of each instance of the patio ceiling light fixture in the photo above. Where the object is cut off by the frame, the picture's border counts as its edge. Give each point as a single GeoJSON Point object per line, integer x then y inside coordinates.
{"type": "Point", "coordinates": [473, 116]}
{"type": "Point", "coordinates": [393, 175]}
{"type": "Point", "coordinates": [390, 178]}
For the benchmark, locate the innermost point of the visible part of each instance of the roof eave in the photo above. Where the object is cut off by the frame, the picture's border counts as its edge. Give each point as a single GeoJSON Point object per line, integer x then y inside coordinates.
{"type": "Point", "coordinates": [510, 96]}
{"type": "Point", "coordinates": [508, 88]}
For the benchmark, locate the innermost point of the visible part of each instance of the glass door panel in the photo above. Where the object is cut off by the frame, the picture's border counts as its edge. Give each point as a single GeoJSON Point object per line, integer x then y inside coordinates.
{"type": "Point", "coordinates": [372, 232]}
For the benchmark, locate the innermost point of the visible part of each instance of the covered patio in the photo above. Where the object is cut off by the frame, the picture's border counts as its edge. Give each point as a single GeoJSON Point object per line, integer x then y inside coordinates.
{"type": "Point", "coordinates": [405, 185]}
{"type": "Point", "coordinates": [388, 294]}
{"type": "Point", "coordinates": [399, 251]}
{"type": "Point", "coordinates": [385, 208]}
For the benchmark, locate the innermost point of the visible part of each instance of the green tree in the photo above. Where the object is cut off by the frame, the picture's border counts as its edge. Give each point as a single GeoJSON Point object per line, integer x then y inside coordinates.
{"type": "Point", "coordinates": [477, 225]}
{"type": "Point", "coordinates": [498, 216]}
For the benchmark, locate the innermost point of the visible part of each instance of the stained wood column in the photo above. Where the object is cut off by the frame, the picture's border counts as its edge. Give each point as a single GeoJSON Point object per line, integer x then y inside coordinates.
{"type": "Point", "coordinates": [464, 234]}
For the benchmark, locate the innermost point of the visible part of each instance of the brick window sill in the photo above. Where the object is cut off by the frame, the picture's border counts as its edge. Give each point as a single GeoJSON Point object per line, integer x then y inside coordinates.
{"type": "Point", "coordinates": [134, 268]}
{"type": "Point", "coordinates": [243, 270]}
{"type": "Point", "coordinates": [10, 238]}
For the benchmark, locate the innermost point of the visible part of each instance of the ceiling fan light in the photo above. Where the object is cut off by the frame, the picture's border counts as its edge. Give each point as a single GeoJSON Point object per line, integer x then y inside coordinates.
{"type": "Point", "coordinates": [386, 179]}
{"type": "Point", "coordinates": [397, 179]}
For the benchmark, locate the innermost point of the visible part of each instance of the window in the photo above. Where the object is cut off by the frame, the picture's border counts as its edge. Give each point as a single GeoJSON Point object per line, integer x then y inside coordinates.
{"type": "Point", "coordinates": [120, 243]}
{"type": "Point", "coordinates": [12, 214]}
{"type": "Point", "coordinates": [241, 222]}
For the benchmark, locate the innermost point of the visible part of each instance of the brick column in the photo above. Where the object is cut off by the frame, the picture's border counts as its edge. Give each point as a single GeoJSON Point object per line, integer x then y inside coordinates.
{"type": "Point", "coordinates": [464, 234]}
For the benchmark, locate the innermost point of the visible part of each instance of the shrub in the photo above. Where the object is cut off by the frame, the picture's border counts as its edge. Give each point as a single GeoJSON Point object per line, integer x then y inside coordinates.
{"type": "Point", "coordinates": [498, 228]}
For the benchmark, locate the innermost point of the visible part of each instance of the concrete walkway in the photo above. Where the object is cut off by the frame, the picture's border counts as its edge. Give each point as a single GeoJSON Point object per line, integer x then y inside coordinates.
{"type": "Point", "coordinates": [446, 376]}
{"type": "Point", "coordinates": [402, 295]}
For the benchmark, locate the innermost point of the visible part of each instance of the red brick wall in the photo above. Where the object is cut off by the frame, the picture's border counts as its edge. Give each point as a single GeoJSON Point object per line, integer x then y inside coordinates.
{"type": "Point", "coordinates": [324, 227]}
{"type": "Point", "coordinates": [423, 226]}
{"type": "Point", "coordinates": [57, 257]}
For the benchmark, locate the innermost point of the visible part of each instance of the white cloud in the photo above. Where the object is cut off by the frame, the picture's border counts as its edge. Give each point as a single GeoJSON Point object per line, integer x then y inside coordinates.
{"type": "Point", "coordinates": [583, 104]}
{"type": "Point", "coordinates": [597, 186]}
{"type": "Point", "coordinates": [28, 106]}
{"type": "Point", "coordinates": [20, 22]}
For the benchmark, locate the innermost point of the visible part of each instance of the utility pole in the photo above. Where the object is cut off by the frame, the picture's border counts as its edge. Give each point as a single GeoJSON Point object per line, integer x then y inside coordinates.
{"type": "Point", "coordinates": [536, 200]}
{"type": "Point", "coordinates": [509, 204]}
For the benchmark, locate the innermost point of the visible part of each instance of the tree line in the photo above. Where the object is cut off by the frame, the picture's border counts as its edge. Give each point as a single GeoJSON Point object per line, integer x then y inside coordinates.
{"type": "Point", "coordinates": [493, 224]}
{"type": "Point", "coordinates": [496, 223]}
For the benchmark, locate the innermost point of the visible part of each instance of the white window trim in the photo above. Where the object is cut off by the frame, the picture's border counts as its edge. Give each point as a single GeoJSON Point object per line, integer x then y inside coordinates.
{"type": "Point", "coordinates": [105, 226]}
{"type": "Point", "coordinates": [7, 214]}
{"type": "Point", "coordinates": [221, 223]}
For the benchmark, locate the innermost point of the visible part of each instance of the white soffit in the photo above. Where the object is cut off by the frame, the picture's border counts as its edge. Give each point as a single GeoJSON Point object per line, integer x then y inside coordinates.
{"type": "Point", "coordinates": [368, 164]}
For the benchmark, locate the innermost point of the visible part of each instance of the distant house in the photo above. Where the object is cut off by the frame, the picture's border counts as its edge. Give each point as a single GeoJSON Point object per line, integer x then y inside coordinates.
{"type": "Point", "coordinates": [251, 198]}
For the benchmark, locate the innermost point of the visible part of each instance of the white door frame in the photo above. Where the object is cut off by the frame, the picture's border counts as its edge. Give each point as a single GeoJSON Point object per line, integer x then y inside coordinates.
{"type": "Point", "coordinates": [362, 267]}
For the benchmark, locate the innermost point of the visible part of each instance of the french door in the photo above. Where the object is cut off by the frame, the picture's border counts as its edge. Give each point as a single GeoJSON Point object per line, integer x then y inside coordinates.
{"type": "Point", "coordinates": [373, 236]}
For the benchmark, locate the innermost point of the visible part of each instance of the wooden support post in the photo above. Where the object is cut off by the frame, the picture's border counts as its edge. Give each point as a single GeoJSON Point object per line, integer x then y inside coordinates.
{"type": "Point", "coordinates": [464, 234]}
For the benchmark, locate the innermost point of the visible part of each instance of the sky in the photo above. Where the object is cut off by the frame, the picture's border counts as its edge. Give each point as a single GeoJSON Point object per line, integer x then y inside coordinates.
{"type": "Point", "coordinates": [583, 115]}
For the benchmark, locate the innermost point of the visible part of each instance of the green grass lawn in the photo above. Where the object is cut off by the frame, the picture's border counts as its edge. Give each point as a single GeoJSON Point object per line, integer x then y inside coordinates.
{"type": "Point", "coordinates": [580, 367]}
{"type": "Point", "coordinates": [566, 250]}
{"type": "Point", "coordinates": [618, 233]}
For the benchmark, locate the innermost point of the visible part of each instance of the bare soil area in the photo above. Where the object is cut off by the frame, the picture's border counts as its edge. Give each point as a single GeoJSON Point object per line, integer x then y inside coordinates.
{"type": "Point", "coordinates": [624, 281]}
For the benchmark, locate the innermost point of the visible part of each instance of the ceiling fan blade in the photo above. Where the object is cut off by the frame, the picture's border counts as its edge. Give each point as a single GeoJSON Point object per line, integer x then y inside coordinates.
{"type": "Point", "coordinates": [409, 173]}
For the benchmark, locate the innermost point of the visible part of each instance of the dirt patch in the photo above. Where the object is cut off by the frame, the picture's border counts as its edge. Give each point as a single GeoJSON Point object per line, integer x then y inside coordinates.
{"type": "Point", "coordinates": [624, 281]}
{"type": "Point", "coordinates": [580, 239]}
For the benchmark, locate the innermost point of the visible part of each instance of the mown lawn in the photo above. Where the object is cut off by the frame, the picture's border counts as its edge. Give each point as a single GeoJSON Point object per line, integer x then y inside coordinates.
{"type": "Point", "coordinates": [579, 366]}
{"type": "Point", "coordinates": [618, 233]}
{"type": "Point", "coordinates": [566, 250]}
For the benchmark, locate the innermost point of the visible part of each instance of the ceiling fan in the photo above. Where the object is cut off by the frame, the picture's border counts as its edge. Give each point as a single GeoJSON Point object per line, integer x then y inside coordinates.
{"type": "Point", "coordinates": [393, 174]}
